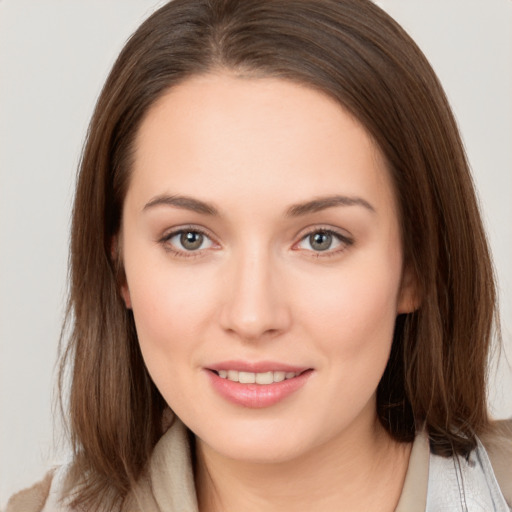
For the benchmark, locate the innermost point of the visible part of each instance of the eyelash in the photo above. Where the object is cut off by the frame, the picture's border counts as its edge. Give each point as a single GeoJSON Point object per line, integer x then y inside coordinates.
{"type": "Point", "coordinates": [183, 253]}
{"type": "Point", "coordinates": [344, 241]}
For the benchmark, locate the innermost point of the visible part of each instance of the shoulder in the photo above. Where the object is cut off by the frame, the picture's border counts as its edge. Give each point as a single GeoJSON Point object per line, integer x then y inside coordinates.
{"type": "Point", "coordinates": [32, 499]}
{"type": "Point", "coordinates": [498, 444]}
{"type": "Point", "coordinates": [479, 482]}
{"type": "Point", "coordinates": [43, 496]}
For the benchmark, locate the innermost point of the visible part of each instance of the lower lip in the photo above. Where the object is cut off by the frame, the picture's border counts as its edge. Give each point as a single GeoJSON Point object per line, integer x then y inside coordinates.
{"type": "Point", "coordinates": [257, 396]}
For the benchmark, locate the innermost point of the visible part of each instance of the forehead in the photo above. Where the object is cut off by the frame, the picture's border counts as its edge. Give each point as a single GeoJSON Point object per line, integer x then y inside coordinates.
{"type": "Point", "coordinates": [248, 137]}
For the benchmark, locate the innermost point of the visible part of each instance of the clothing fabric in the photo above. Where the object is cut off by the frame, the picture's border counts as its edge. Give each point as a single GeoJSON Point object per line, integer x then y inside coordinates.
{"type": "Point", "coordinates": [432, 484]}
{"type": "Point", "coordinates": [470, 483]}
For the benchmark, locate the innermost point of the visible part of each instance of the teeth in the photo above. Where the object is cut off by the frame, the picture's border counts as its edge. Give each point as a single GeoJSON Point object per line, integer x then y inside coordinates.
{"type": "Point", "coordinates": [256, 378]}
{"type": "Point", "coordinates": [246, 377]}
{"type": "Point", "coordinates": [279, 376]}
{"type": "Point", "coordinates": [264, 378]}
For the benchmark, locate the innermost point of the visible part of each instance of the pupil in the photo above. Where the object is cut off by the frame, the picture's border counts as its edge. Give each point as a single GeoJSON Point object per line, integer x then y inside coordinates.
{"type": "Point", "coordinates": [320, 241]}
{"type": "Point", "coordinates": [191, 240]}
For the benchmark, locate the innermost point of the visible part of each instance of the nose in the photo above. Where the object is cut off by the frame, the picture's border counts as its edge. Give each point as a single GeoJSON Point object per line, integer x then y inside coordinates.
{"type": "Point", "coordinates": [255, 305]}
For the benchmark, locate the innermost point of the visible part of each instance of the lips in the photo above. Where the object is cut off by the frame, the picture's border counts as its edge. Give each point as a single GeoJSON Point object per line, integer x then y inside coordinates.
{"type": "Point", "coordinates": [257, 367]}
{"type": "Point", "coordinates": [263, 378]}
{"type": "Point", "coordinates": [256, 385]}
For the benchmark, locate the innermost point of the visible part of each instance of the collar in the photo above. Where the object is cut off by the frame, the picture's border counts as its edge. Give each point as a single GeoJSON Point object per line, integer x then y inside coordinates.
{"type": "Point", "coordinates": [172, 485]}
{"type": "Point", "coordinates": [432, 482]}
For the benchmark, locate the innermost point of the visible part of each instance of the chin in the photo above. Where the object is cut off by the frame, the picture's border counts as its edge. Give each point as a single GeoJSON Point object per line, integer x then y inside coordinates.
{"type": "Point", "coordinates": [258, 451]}
{"type": "Point", "coordinates": [263, 442]}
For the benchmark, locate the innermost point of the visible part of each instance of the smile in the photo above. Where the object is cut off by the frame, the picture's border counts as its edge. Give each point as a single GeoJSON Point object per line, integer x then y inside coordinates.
{"type": "Point", "coordinates": [257, 385]}
{"type": "Point", "coordinates": [264, 378]}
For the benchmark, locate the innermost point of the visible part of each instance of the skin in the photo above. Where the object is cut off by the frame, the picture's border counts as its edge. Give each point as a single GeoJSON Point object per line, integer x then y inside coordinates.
{"type": "Point", "coordinates": [258, 289]}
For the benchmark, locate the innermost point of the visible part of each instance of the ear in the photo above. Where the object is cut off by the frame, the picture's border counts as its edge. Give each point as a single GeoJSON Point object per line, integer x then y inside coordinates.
{"type": "Point", "coordinates": [115, 256]}
{"type": "Point", "coordinates": [125, 294]}
{"type": "Point", "coordinates": [409, 298]}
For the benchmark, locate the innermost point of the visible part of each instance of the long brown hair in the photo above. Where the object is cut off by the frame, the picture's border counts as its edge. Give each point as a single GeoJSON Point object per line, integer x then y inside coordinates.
{"type": "Point", "coordinates": [354, 52]}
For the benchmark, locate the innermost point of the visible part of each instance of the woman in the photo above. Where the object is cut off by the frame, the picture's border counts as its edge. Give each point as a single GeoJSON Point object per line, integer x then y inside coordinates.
{"type": "Point", "coordinates": [275, 237]}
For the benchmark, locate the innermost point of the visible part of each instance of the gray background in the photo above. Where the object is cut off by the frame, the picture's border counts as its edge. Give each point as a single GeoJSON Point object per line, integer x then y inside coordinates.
{"type": "Point", "coordinates": [54, 57]}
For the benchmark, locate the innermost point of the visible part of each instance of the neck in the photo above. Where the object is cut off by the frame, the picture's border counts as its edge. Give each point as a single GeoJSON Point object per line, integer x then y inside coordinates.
{"type": "Point", "coordinates": [363, 469]}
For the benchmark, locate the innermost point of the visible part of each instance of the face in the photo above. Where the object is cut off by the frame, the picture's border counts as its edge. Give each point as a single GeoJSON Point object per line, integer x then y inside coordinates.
{"type": "Point", "coordinates": [263, 263]}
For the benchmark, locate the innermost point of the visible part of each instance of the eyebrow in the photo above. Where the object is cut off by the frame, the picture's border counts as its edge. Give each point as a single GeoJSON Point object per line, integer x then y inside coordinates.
{"type": "Point", "coordinates": [184, 202]}
{"type": "Point", "coordinates": [296, 210]}
{"type": "Point", "coordinates": [322, 203]}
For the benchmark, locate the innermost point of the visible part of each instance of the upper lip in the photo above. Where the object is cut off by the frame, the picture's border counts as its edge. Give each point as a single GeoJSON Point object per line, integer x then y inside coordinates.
{"type": "Point", "coordinates": [257, 366]}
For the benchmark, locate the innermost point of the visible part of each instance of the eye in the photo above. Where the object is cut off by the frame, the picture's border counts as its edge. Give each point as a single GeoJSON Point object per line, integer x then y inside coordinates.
{"type": "Point", "coordinates": [188, 240]}
{"type": "Point", "coordinates": [323, 240]}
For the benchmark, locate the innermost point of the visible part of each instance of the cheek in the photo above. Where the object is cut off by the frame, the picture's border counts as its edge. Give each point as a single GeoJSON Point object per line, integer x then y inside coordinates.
{"type": "Point", "coordinates": [170, 309]}
{"type": "Point", "coordinates": [170, 304]}
{"type": "Point", "coordinates": [354, 326]}
{"type": "Point", "coordinates": [352, 313]}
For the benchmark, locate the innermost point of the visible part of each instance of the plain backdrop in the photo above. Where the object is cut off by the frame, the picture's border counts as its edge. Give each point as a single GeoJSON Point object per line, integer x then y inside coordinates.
{"type": "Point", "coordinates": [54, 57]}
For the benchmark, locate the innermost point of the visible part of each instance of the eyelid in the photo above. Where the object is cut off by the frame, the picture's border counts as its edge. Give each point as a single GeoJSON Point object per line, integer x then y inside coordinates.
{"type": "Point", "coordinates": [177, 230]}
{"type": "Point", "coordinates": [344, 239]}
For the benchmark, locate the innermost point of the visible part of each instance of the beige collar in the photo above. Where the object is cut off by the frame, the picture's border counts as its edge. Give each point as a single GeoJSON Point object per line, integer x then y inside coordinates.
{"type": "Point", "coordinates": [169, 486]}
{"type": "Point", "coordinates": [414, 492]}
